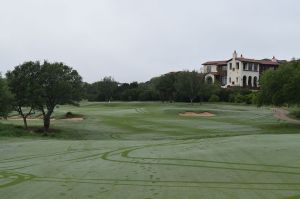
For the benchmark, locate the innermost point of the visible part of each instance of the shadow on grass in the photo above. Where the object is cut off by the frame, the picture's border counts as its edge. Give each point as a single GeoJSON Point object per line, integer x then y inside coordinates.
{"type": "Point", "coordinates": [10, 130]}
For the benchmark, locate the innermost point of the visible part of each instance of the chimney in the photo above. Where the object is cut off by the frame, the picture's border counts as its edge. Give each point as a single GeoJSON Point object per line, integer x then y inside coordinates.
{"type": "Point", "coordinates": [235, 54]}
{"type": "Point", "coordinates": [274, 59]}
{"type": "Point", "coordinates": [242, 56]}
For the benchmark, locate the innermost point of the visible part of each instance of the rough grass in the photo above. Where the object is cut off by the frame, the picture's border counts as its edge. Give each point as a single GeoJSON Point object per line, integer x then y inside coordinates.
{"type": "Point", "coordinates": [152, 121]}
{"type": "Point", "coordinates": [146, 150]}
{"type": "Point", "coordinates": [8, 130]}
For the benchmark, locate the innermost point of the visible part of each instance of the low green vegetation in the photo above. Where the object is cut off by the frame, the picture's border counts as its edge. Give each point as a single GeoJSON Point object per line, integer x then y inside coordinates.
{"type": "Point", "coordinates": [148, 150]}
{"type": "Point", "coordinates": [153, 120]}
{"type": "Point", "coordinates": [9, 130]}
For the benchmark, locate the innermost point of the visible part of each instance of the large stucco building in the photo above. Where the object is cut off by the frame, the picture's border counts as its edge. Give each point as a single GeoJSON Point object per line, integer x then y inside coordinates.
{"type": "Point", "coordinates": [238, 71]}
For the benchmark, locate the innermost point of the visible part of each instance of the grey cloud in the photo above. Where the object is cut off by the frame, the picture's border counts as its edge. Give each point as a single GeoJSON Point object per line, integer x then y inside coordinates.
{"type": "Point", "coordinates": [138, 39]}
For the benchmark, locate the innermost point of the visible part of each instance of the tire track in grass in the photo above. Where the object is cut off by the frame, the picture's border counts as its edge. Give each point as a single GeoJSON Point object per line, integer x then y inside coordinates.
{"type": "Point", "coordinates": [22, 158]}
{"type": "Point", "coordinates": [12, 178]}
{"type": "Point", "coordinates": [85, 158]}
{"type": "Point", "coordinates": [9, 168]}
{"type": "Point", "coordinates": [127, 152]}
{"type": "Point", "coordinates": [180, 184]}
{"type": "Point", "coordinates": [124, 153]}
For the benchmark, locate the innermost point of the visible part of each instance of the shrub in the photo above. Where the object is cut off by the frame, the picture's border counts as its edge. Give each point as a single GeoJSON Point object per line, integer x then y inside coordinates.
{"type": "Point", "coordinates": [248, 98]}
{"type": "Point", "coordinates": [296, 114]}
{"type": "Point", "coordinates": [214, 98]}
{"type": "Point", "coordinates": [72, 115]}
{"type": "Point", "coordinates": [239, 98]}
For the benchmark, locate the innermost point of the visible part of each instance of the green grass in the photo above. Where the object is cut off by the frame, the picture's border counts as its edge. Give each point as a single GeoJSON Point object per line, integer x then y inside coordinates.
{"type": "Point", "coordinates": [146, 150]}
{"type": "Point", "coordinates": [152, 121]}
{"type": "Point", "coordinates": [8, 130]}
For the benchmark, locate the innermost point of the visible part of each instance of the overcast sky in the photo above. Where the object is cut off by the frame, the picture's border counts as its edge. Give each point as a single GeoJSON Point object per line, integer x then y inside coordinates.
{"type": "Point", "coordinates": [134, 40]}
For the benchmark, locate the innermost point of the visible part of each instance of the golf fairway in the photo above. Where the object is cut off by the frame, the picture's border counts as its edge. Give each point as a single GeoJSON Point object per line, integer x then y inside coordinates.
{"type": "Point", "coordinates": [148, 151]}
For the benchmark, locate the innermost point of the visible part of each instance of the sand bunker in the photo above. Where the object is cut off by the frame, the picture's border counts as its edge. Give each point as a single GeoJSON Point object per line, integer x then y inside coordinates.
{"type": "Point", "coordinates": [195, 114]}
{"type": "Point", "coordinates": [73, 119]}
{"type": "Point", "coordinates": [19, 118]}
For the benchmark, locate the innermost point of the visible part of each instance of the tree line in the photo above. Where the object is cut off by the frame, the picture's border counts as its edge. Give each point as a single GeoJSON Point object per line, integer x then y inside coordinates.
{"type": "Point", "coordinates": [182, 86]}
{"type": "Point", "coordinates": [39, 87]}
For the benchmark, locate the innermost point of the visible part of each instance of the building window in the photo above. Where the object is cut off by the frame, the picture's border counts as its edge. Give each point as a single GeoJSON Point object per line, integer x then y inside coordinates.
{"type": "Point", "coordinates": [229, 79]}
{"type": "Point", "coordinates": [238, 66]}
{"type": "Point", "coordinates": [230, 66]}
{"type": "Point", "coordinates": [244, 66]}
{"type": "Point", "coordinates": [209, 80]}
{"type": "Point", "coordinates": [255, 67]}
{"type": "Point", "coordinates": [237, 80]}
{"type": "Point", "coordinates": [208, 69]}
{"type": "Point", "coordinates": [224, 67]}
{"type": "Point", "coordinates": [250, 67]}
{"type": "Point", "coordinates": [224, 80]}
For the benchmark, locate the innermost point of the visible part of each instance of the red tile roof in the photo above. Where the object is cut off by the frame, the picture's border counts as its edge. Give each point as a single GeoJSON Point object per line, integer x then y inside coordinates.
{"type": "Point", "coordinates": [218, 63]}
{"type": "Point", "coordinates": [263, 62]}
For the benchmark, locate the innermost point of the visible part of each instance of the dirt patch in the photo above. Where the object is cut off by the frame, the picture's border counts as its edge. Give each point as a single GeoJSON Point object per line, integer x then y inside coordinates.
{"type": "Point", "coordinates": [282, 114]}
{"type": "Point", "coordinates": [18, 118]}
{"type": "Point", "coordinates": [197, 114]}
{"type": "Point", "coordinates": [21, 119]}
{"type": "Point", "coordinates": [73, 119]}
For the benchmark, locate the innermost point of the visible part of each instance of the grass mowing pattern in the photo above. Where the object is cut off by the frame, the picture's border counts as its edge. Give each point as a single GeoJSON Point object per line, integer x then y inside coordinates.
{"type": "Point", "coordinates": [148, 151]}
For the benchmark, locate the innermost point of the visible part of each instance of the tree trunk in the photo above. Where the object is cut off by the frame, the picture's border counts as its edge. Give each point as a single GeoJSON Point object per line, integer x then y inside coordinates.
{"type": "Point", "coordinates": [191, 100]}
{"type": "Point", "coordinates": [46, 122]}
{"type": "Point", "coordinates": [25, 122]}
{"type": "Point", "coordinates": [46, 117]}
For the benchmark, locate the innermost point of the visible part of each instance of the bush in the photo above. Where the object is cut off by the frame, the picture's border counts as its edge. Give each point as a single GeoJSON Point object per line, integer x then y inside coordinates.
{"type": "Point", "coordinates": [248, 98]}
{"type": "Point", "coordinates": [296, 114]}
{"type": "Point", "coordinates": [224, 95]}
{"type": "Point", "coordinates": [214, 98]}
{"type": "Point", "coordinates": [72, 115]}
{"type": "Point", "coordinates": [238, 98]}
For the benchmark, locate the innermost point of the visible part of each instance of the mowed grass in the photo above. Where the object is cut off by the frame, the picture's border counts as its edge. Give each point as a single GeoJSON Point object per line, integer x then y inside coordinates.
{"type": "Point", "coordinates": [148, 151]}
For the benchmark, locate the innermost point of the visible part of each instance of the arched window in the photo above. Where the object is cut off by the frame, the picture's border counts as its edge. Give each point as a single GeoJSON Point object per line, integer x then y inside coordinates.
{"type": "Point", "coordinates": [255, 82]}
{"type": "Point", "coordinates": [244, 81]}
{"type": "Point", "coordinates": [209, 80]}
{"type": "Point", "coordinates": [250, 81]}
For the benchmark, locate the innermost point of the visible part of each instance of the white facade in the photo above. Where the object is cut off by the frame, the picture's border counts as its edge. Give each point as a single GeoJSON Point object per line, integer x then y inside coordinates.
{"type": "Point", "coordinates": [210, 69]}
{"type": "Point", "coordinates": [238, 71]}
